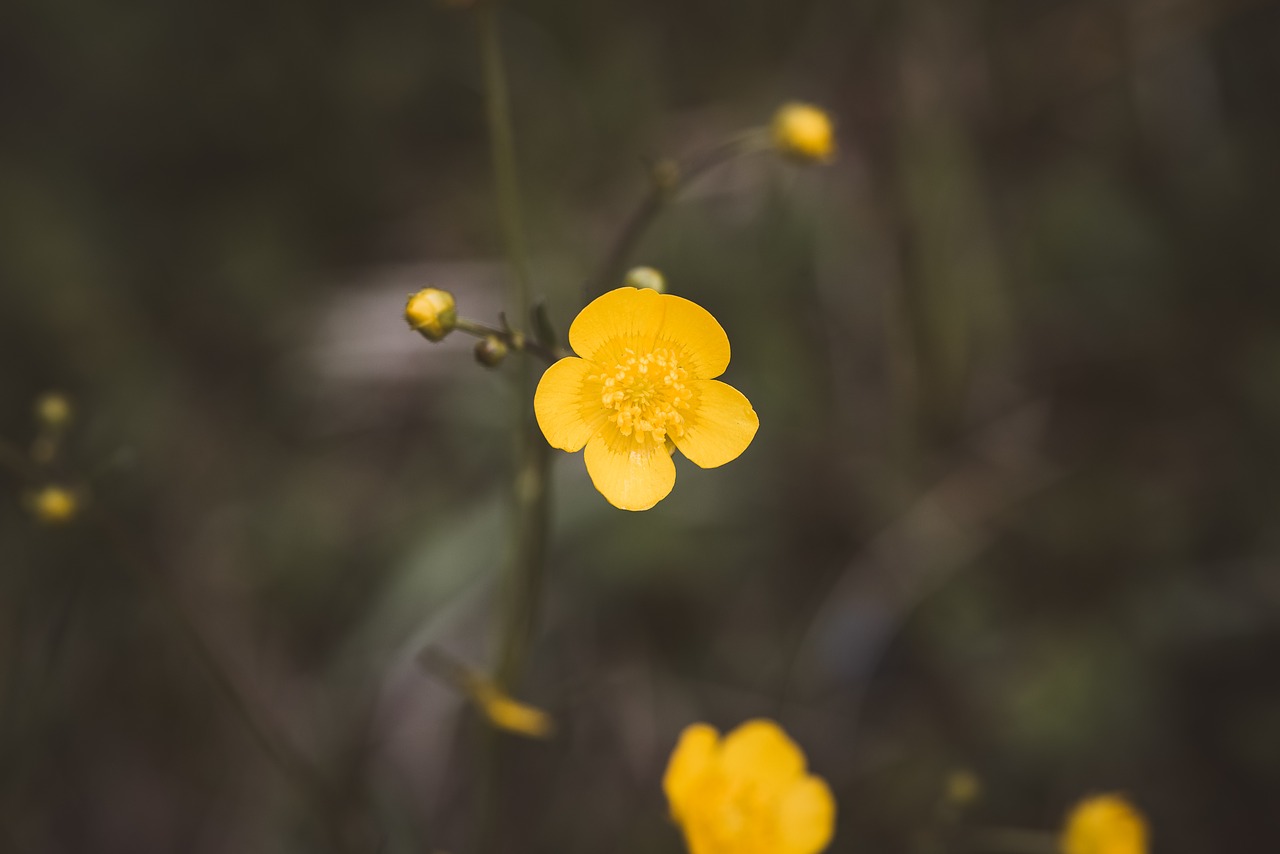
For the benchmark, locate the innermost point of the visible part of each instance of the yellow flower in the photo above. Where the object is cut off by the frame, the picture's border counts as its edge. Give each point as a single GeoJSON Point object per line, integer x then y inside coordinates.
{"type": "Point", "coordinates": [431, 312]}
{"type": "Point", "coordinates": [645, 382]}
{"type": "Point", "coordinates": [54, 505]}
{"type": "Point", "coordinates": [504, 712]}
{"type": "Point", "coordinates": [804, 132]}
{"type": "Point", "coordinates": [1104, 824]}
{"type": "Point", "coordinates": [748, 793]}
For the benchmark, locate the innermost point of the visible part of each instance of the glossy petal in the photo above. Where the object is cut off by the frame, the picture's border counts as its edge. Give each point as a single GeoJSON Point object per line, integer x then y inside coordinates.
{"type": "Point", "coordinates": [690, 329]}
{"type": "Point", "coordinates": [623, 317]}
{"type": "Point", "coordinates": [693, 758]}
{"type": "Point", "coordinates": [720, 424]}
{"type": "Point", "coordinates": [761, 752]}
{"type": "Point", "coordinates": [806, 817]}
{"type": "Point", "coordinates": [630, 475]}
{"type": "Point", "coordinates": [567, 414]}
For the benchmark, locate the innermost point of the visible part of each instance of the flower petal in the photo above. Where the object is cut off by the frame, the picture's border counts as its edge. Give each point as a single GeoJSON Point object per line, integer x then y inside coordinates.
{"type": "Point", "coordinates": [806, 817]}
{"type": "Point", "coordinates": [720, 424]}
{"type": "Point", "coordinates": [631, 475]}
{"type": "Point", "coordinates": [696, 335]}
{"type": "Point", "coordinates": [567, 414]}
{"type": "Point", "coordinates": [617, 319]}
{"type": "Point", "coordinates": [761, 752]}
{"type": "Point", "coordinates": [692, 759]}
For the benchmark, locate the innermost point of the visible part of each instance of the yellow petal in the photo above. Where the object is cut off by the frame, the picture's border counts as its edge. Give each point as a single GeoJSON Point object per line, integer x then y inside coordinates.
{"type": "Point", "coordinates": [507, 713]}
{"type": "Point", "coordinates": [692, 759]}
{"type": "Point", "coordinates": [620, 318]}
{"type": "Point", "coordinates": [690, 330]}
{"type": "Point", "coordinates": [761, 752]}
{"type": "Point", "coordinates": [631, 475]}
{"type": "Point", "coordinates": [720, 424]}
{"type": "Point", "coordinates": [806, 817]}
{"type": "Point", "coordinates": [567, 414]}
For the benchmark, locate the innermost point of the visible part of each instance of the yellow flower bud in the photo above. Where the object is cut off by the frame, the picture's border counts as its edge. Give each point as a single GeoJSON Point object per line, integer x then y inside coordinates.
{"type": "Point", "coordinates": [804, 132]}
{"type": "Point", "coordinates": [431, 312]}
{"type": "Point", "coordinates": [491, 350]}
{"type": "Point", "coordinates": [963, 788]}
{"type": "Point", "coordinates": [1104, 824]}
{"type": "Point", "coordinates": [53, 410]}
{"type": "Point", "coordinates": [646, 277]}
{"type": "Point", "coordinates": [54, 505]}
{"type": "Point", "coordinates": [506, 713]}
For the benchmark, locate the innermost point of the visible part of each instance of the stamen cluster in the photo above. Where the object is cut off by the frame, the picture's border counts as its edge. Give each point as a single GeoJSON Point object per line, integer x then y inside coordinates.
{"type": "Point", "coordinates": [645, 394]}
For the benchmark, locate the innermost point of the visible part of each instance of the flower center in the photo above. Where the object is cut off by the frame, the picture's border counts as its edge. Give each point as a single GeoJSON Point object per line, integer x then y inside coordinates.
{"type": "Point", "coordinates": [645, 394]}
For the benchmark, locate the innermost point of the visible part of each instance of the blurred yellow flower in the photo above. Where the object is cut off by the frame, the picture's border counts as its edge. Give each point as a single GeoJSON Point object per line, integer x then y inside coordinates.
{"type": "Point", "coordinates": [431, 312]}
{"type": "Point", "coordinates": [54, 505]}
{"type": "Point", "coordinates": [53, 410]}
{"type": "Point", "coordinates": [962, 788]}
{"type": "Point", "coordinates": [748, 793]}
{"type": "Point", "coordinates": [804, 132]}
{"type": "Point", "coordinates": [644, 383]}
{"type": "Point", "coordinates": [504, 712]}
{"type": "Point", "coordinates": [1104, 824]}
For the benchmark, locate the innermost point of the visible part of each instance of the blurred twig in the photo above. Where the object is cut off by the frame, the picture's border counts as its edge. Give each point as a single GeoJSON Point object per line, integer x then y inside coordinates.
{"type": "Point", "coordinates": [667, 179]}
{"type": "Point", "coordinates": [293, 764]}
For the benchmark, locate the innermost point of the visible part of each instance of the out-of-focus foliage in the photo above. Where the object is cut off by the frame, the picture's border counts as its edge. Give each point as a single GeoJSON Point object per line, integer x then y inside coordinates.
{"type": "Point", "coordinates": [1016, 357]}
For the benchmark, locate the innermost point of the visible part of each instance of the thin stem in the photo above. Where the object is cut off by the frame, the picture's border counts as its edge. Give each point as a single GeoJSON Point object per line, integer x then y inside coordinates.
{"type": "Point", "coordinates": [514, 339]}
{"type": "Point", "coordinates": [502, 152]}
{"type": "Point", "coordinates": [667, 180]}
{"type": "Point", "coordinates": [531, 489]}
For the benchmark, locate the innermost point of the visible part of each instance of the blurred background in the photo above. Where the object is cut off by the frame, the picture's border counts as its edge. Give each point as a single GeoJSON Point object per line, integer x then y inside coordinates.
{"type": "Point", "coordinates": [1016, 356]}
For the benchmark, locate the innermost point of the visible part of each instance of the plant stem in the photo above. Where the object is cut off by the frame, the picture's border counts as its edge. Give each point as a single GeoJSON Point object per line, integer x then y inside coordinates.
{"type": "Point", "coordinates": [514, 339]}
{"type": "Point", "coordinates": [667, 180]}
{"type": "Point", "coordinates": [502, 153]}
{"type": "Point", "coordinates": [523, 584]}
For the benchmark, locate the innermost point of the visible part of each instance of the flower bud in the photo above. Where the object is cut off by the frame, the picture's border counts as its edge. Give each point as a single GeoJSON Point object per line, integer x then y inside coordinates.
{"type": "Point", "coordinates": [54, 505]}
{"type": "Point", "coordinates": [646, 277]}
{"type": "Point", "coordinates": [53, 410]}
{"type": "Point", "coordinates": [432, 312]}
{"type": "Point", "coordinates": [491, 350]}
{"type": "Point", "coordinates": [803, 132]}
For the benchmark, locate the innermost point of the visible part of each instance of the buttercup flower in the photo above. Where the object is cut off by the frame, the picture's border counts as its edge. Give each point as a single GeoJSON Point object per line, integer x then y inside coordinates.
{"type": "Point", "coordinates": [431, 312]}
{"type": "Point", "coordinates": [1104, 824]}
{"type": "Point", "coordinates": [644, 383]}
{"type": "Point", "coordinates": [748, 793]}
{"type": "Point", "coordinates": [804, 132]}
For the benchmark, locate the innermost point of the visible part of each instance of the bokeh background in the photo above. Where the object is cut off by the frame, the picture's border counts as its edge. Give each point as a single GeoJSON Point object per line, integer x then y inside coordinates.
{"type": "Point", "coordinates": [1016, 355]}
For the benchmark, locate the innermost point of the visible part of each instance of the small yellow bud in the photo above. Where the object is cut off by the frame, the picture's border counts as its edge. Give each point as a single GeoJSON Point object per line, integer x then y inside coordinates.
{"type": "Point", "coordinates": [54, 505]}
{"type": "Point", "coordinates": [491, 350]}
{"type": "Point", "coordinates": [1104, 824]}
{"type": "Point", "coordinates": [646, 277]}
{"type": "Point", "coordinates": [431, 312]}
{"type": "Point", "coordinates": [506, 713]}
{"type": "Point", "coordinates": [963, 787]}
{"type": "Point", "coordinates": [53, 410]}
{"type": "Point", "coordinates": [804, 132]}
